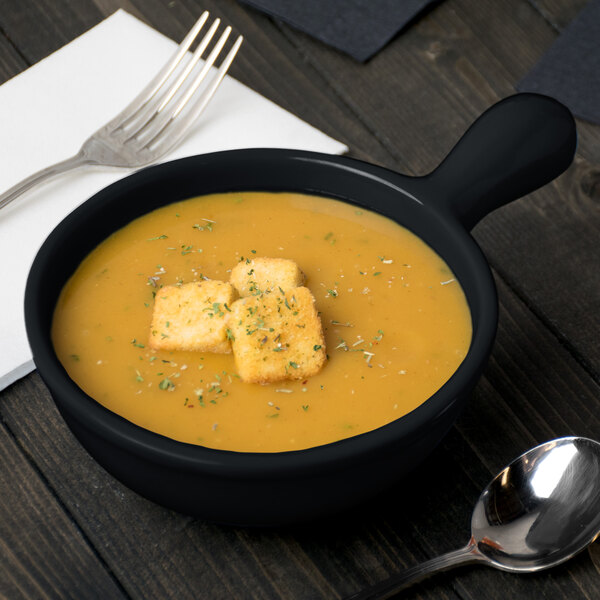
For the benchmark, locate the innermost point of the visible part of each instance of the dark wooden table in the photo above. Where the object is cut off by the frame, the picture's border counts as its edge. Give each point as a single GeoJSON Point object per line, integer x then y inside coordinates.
{"type": "Point", "coordinates": [69, 530]}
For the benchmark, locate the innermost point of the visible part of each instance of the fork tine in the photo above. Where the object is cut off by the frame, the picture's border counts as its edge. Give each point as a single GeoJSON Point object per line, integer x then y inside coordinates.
{"type": "Point", "coordinates": [174, 129]}
{"type": "Point", "coordinates": [150, 110]}
{"type": "Point", "coordinates": [151, 128]}
{"type": "Point", "coordinates": [191, 64]}
{"type": "Point", "coordinates": [208, 93]}
{"type": "Point", "coordinates": [205, 69]}
{"type": "Point", "coordinates": [159, 79]}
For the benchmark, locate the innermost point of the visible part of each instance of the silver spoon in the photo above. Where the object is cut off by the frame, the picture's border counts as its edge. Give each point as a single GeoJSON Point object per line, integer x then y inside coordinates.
{"type": "Point", "coordinates": [541, 510]}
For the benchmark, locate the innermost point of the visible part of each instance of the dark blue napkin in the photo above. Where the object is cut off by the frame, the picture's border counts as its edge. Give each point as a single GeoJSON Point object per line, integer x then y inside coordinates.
{"type": "Point", "coordinates": [570, 69]}
{"type": "Point", "coordinates": [359, 28]}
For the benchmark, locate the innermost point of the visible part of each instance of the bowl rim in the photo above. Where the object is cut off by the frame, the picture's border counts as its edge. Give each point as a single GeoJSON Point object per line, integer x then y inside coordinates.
{"type": "Point", "coordinates": [74, 403]}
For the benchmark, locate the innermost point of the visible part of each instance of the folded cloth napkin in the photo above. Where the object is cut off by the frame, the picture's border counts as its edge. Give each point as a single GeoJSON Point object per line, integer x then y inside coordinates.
{"type": "Point", "coordinates": [570, 69]}
{"type": "Point", "coordinates": [359, 28]}
{"type": "Point", "coordinates": [47, 111]}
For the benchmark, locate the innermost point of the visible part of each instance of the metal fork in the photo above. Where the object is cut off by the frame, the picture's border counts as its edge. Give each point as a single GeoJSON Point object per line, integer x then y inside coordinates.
{"type": "Point", "coordinates": [156, 120]}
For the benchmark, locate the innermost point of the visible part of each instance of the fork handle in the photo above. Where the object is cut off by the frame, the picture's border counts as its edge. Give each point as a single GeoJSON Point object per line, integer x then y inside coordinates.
{"type": "Point", "coordinates": [396, 583]}
{"type": "Point", "coordinates": [52, 171]}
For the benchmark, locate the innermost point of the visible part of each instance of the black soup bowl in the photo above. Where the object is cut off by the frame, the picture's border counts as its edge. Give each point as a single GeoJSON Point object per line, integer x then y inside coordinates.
{"type": "Point", "coordinates": [518, 145]}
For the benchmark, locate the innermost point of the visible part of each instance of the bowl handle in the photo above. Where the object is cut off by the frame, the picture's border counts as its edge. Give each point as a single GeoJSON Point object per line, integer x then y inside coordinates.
{"type": "Point", "coordinates": [516, 146]}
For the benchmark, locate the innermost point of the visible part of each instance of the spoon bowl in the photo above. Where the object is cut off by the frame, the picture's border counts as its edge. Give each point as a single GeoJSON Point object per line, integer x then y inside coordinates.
{"type": "Point", "coordinates": [539, 511]}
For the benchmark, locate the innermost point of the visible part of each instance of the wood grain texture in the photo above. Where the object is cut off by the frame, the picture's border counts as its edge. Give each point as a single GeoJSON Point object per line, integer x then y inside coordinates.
{"type": "Point", "coordinates": [404, 109]}
{"type": "Point", "coordinates": [11, 63]}
{"type": "Point", "coordinates": [40, 27]}
{"type": "Point", "coordinates": [42, 552]}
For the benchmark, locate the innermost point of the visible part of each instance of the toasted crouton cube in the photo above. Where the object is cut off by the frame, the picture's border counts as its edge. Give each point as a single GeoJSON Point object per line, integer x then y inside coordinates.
{"type": "Point", "coordinates": [277, 336]}
{"type": "Point", "coordinates": [251, 277]}
{"type": "Point", "coordinates": [192, 317]}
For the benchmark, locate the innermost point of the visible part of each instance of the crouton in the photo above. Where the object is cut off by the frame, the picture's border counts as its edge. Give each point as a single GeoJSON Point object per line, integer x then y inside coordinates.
{"type": "Point", "coordinates": [251, 277]}
{"type": "Point", "coordinates": [276, 336]}
{"type": "Point", "coordinates": [192, 317]}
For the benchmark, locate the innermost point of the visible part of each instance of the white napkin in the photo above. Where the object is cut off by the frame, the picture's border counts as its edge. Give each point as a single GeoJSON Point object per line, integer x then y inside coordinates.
{"type": "Point", "coordinates": [46, 113]}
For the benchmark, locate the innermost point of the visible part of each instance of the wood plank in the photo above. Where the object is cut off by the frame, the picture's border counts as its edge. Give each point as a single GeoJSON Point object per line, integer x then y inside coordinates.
{"type": "Point", "coordinates": [43, 554]}
{"type": "Point", "coordinates": [439, 75]}
{"type": "Point", "coordinates": [544, 391]}
{"type": "Point", "coordinates": [108, 7]}
{"type": "Point", "coordinates": [11, 63]}
{"type": "Point", "coordinates": [40, 27]}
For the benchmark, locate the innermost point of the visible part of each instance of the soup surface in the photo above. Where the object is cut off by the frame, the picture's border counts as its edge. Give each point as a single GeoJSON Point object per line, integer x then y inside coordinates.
{"type": "Point", "coordinates": [395, 320]}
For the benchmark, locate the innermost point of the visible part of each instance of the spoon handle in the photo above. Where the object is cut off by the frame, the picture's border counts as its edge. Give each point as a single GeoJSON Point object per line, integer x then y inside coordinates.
{"type": "Point", "coordinates": [396, 583]}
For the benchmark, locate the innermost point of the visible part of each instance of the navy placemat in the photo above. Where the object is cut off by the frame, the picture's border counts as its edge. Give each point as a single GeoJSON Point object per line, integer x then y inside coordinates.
{"type": "Point", "coordinates": [570, 69]}
{"type": "Point", "coordinates": [359, 28]}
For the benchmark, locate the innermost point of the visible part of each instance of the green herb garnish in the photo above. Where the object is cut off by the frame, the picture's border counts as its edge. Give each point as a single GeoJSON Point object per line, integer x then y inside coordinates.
{"type": "Point", "coordinates": [166, 384]}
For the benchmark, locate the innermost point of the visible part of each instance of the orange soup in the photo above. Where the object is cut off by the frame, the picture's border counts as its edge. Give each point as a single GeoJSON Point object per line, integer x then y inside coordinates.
{"type": "Point", "coordinates": [395, 321]}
